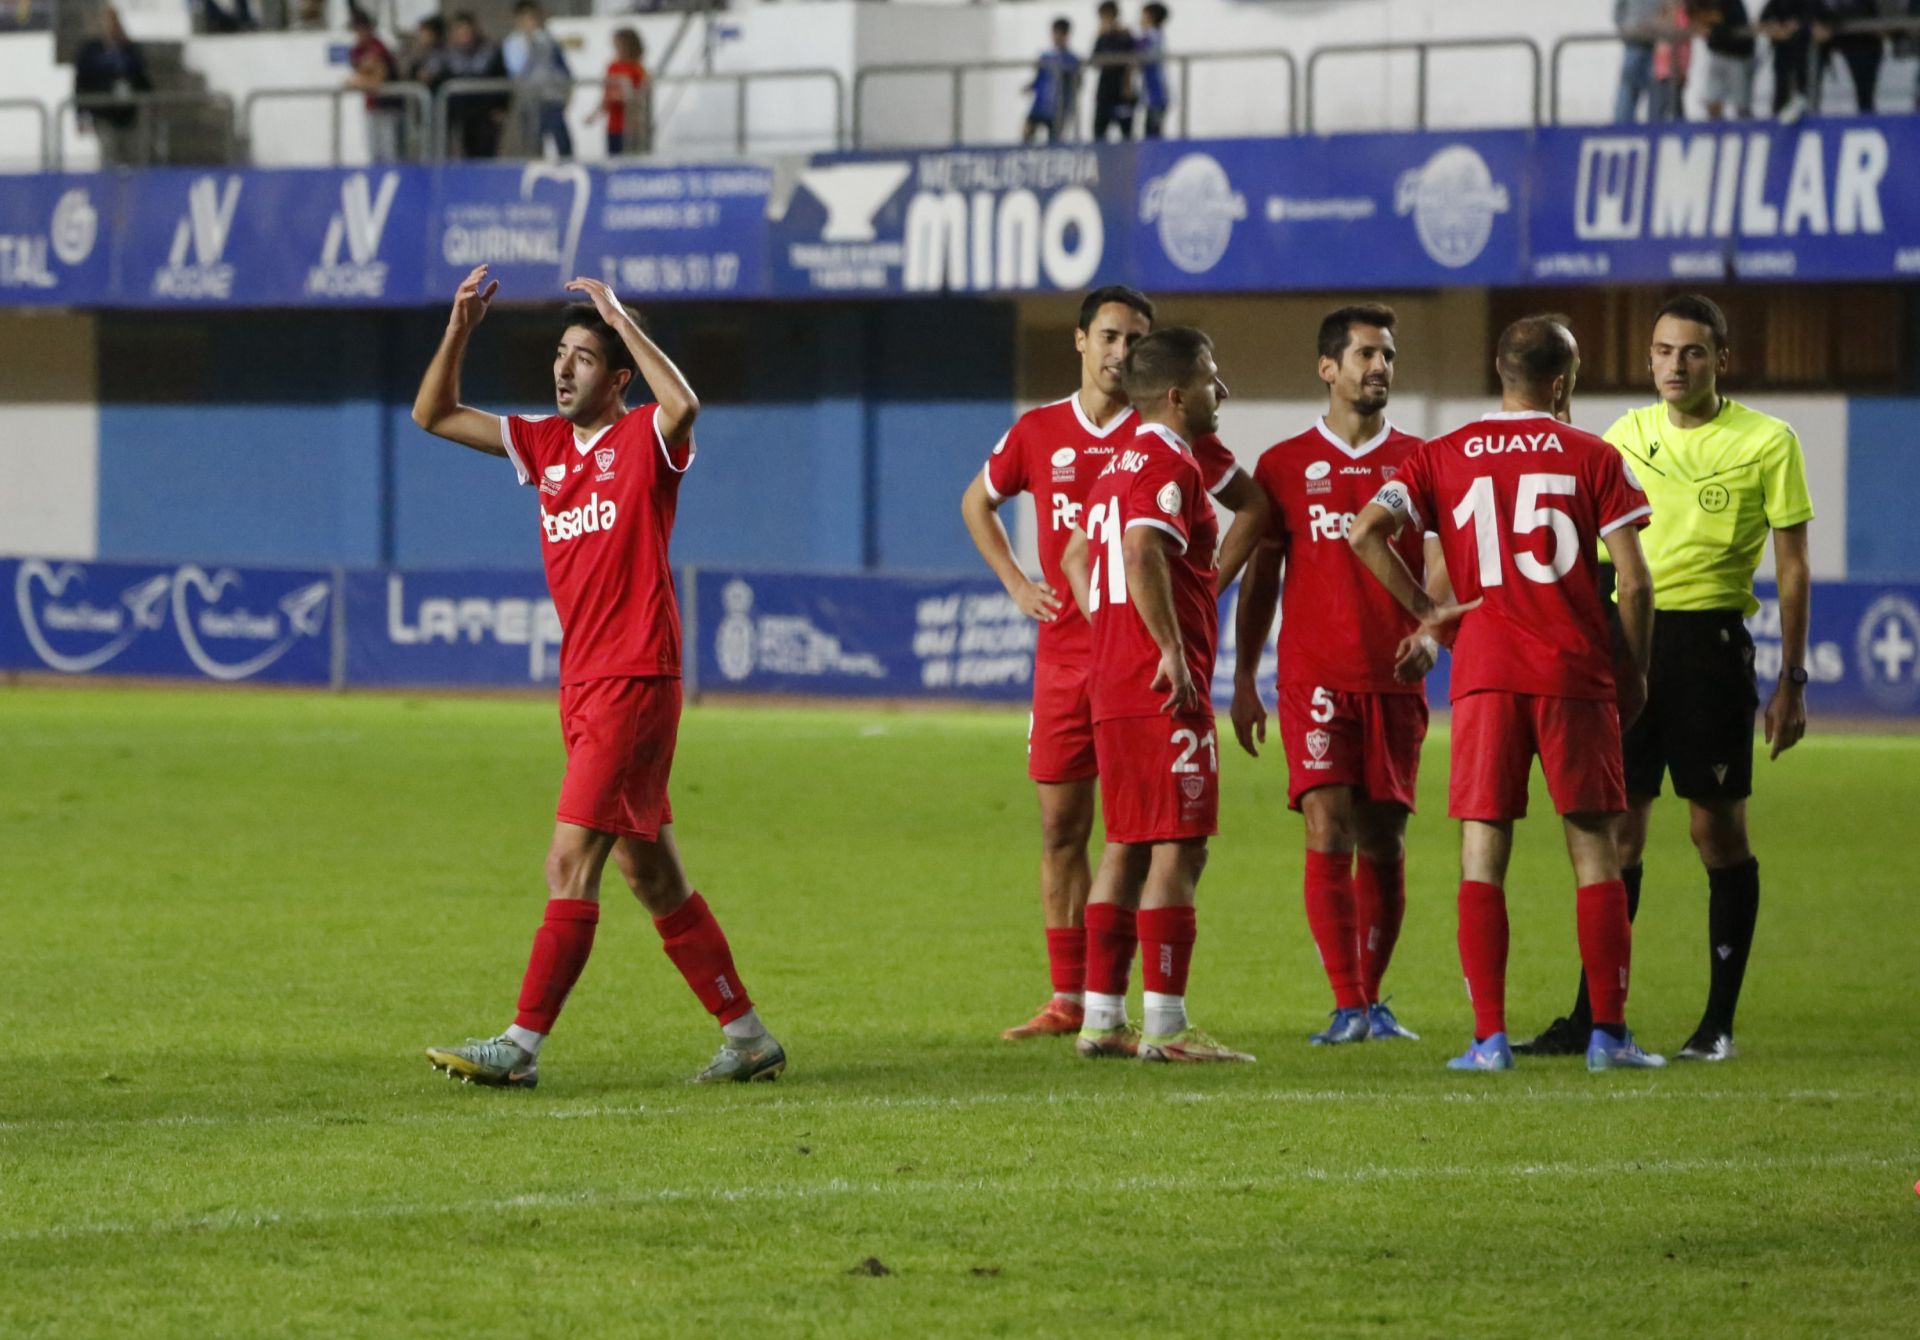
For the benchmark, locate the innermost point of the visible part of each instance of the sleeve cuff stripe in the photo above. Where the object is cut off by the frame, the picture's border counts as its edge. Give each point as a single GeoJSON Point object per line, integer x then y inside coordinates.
{"type": "Point", "coordinates": [1630, 517]}
{"type": "Point", "coordinates": [1158, 524]}
{"type": "Point", "coordinates": [513, 452]}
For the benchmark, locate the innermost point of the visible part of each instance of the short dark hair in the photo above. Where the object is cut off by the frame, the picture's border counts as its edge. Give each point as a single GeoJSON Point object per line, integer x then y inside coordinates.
{"type": "Point", "coordinates": [1697, 307]}
{"type": "Point", "coordinates": [1336, 328]}
{"type": "Point", "coordinates": [585, 316]}
{"type": "Point", "coordinates": [1163, 360]}
{"type": "Point", "coordinates": [1108, 10]}
{"type": "Point", "coordinates": [528, 7]}
{"type": "Point", "coordinates": [1121, 293]}
{"type": "Point", "coordinates": [1155, 11]}
{"type": "Point", "coordinates": [1534, 350]}
{"type": "Point", "coordinates": [1063, 25]}
{"type": "Point", "coordinates": [465, 16]}
{"type": "Point", "coordinates": [434, 24]}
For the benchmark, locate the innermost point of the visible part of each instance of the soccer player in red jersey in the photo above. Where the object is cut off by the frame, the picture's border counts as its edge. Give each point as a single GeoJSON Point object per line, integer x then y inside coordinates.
{"type": "Point", "coordinates": [1054, 453]}
{"type": "Point", "coordinates": [1353, 708]}
{"type": "Point", "coordinates": [1521, 500]}
{"type": "Point", "coordinates": [608, 479]}
{"type": "Point", "coordinates": [1142, 568]}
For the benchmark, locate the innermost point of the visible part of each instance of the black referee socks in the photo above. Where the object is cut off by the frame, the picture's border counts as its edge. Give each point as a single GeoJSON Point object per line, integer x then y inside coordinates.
{"type": "Point", "coordinates": [1733, 905]}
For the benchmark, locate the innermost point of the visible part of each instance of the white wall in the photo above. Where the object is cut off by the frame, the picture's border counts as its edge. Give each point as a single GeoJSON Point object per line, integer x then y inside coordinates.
{"type": "Point", "coordinates": [50, 443]}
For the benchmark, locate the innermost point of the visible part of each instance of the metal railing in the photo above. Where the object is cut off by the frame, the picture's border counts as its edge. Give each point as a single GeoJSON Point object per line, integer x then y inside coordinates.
{"type": "Point", "coordinates": [39, 110]}
{"type": "Point", "coordinates": [561, 91]}
{"type": "Point", "coordinates": [416, 106]}
{"type": "Point", "coordinates": [957, 75]}
{"type": "Point", "coordinates": [1423, 50]}
{"type": "Point", "coordinates": [150, 132]}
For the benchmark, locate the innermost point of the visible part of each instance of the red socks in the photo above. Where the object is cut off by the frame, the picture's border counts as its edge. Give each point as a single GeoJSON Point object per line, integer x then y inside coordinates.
{"type": "Point", "coordinates": [1334, 921]}
{"type": "Point", "coordinates": [1067, 960]}
{"type": "Point", "coordinates": [1483, 954]}
{"type": "Point", "coordinates": [1110, 939]}
{"type": "Point", "coordinates": [1166, 949]}
{"type": "Point", "coordinates": [1380, 894]}
{"type": "Point", "coordinates": [1606, 950]}
{"type": "Point", "coordinates": [698, 947]}
{"type": "Point", "coordinates": [560, 949]}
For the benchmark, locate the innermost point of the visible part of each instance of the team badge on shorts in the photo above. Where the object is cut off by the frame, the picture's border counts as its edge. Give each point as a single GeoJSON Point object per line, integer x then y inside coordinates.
{"type": "Point", "coordinates": [1317, 744]}
{"type": "Point", "coordinates": [1193, 787]}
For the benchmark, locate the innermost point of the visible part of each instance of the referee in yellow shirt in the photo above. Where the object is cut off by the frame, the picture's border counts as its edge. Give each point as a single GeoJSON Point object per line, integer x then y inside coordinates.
{"type": "Point", "coordinates": [1720, 477]}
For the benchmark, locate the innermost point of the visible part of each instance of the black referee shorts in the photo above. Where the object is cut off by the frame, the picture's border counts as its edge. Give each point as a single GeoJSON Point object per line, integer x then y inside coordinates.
{"type": "Point", "coordinates": [1701, 697]}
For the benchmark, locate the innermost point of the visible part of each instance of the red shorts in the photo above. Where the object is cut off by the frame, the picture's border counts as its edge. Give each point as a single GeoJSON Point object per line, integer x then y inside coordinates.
{"type": "Point", "coordinates": [1369, 741]}
{"type": "Point", "coordinates": [1060, 728]}
{"type": "Point", "coordinates": [1159, 777]}
{"type": "Point", "coordinates": [1496, 735]}
{"type": "Point", "coordinates": [620, 735]}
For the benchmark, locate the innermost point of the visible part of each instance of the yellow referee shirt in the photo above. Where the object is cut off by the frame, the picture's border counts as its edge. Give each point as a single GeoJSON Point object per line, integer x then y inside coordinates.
{"type": "Point", "coordinates": [1716, 491]}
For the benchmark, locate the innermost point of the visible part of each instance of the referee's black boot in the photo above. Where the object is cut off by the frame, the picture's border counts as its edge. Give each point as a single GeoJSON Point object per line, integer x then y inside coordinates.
{"type": "Point", "coordinates": [1562, 1037]}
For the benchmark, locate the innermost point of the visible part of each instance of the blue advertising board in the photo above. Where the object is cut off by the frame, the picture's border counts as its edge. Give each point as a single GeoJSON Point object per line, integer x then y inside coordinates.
{"type": "Point", "coordinates": [180, 621]}
{"type": "Point", "coordinates": [55, 243]}
{"type": "Point", "coordinates": [965, 220]}
{"type": "Point", "coordinates": [1317, 212]}
{"type": "Point", "coordinates": [497, 629]}
{"type": "Point", "coordinates": [1820, 200]}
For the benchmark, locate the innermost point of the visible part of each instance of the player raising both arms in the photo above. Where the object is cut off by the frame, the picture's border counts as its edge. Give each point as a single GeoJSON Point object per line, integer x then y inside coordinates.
{"type": "Point", "coordinates": [1054, 453]}
{"type": "Point", "coordinates": [1522, 501]}
{"type": "Point", "coordinates": [608, 480]}
{"type": "Point", "coordinates": [1353, 708]}
{"type": "Point", "coordinates": [1142, 569]}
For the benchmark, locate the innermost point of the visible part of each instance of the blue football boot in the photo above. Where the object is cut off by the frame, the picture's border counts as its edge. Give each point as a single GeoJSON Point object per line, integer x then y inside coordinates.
{"type": "Point", "coordinates": [1491, 1054]}
{"type": "Point", "coordinates": [1382, 1024]}
{"type": "Point", "coordinates": [1347, 1026]}
{"type": "Point", "coordinates": [1604, 1052]}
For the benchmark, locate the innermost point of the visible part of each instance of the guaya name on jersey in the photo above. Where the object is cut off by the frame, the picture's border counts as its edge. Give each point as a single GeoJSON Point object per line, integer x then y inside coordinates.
{"type": "Point", "coordinates": [1496, 444]}
{"type": "Point", "coordinates": [589, 517]}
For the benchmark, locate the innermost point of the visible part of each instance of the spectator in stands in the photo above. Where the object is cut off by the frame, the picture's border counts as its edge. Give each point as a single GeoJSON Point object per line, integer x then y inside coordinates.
{"type": "Point", "coordinates": [625, 92]}
{"type": "Point", "coordinates": [426, 61]}
{"type": "Point", "coordinates": [536, 62]}
{"type": "Point", "coordinates": [1642, 24]}
{"type": "Point", "coordinates": [474, 119]}
{"type": "Point", "coordinates": [110, 66]}
{"type": "Point", "coordinates": [1153, 73]}
{"type": "Point", "coordinates": [373, 66]}
{"type": "Point", "coordinates": [1788, 26]}
{"type": "Point", "coordinates": [1730, 49]}
{"type": "Point", "coordinates": [234, 18]}
{"type": "Point", "coordinates": [1113, 97]}
{"type": "Point", "coordinates": [1672, 62]}
{"type": "Point", "coordinates": [1055, 88]}
{"type": "Point", "coordinates": [1862, 51]}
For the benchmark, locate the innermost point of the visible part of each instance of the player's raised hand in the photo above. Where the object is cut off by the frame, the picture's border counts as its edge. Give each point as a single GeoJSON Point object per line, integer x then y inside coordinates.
{"type": "Point", "coordinates": [1038, 602]}
{"type": "Point", "coordinates": [1786, 719]}
{"type": "Point", "coordinates": [1249, 717]}
{"type": "Point", "coordinates": [470, 301]}
{"type": "Point", "coordinates": [1177, 680]}
{"type": "Point", "coordinates": [601, 296]}
{"type": "Point", "coordinates": [1415, 655]}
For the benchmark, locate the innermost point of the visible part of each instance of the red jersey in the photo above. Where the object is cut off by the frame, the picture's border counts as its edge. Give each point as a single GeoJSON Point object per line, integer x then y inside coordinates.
{"type": "Point", "coordinates": [1153, 481]}
{"type": "Point", "coordinates": [1521, 501]}
{"type": "Point", "coordinates": [606, 516]}
{"type": "Point", "coordinates": [626, 83]}
{"type": "Point", "coordinates": [1055, 453]}
{"type": "Point", "coordinates": [1339, 628]}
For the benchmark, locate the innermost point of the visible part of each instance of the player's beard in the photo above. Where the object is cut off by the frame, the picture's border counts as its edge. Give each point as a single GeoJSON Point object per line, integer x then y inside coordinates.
{"type": "Point", "coordinates": [1371, 399]}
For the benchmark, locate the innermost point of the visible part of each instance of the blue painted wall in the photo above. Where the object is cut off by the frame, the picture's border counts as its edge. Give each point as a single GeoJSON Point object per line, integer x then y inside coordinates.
{"type": "Point", "coordinates": [1883, 477]}
{"type": "Point", "coordinates": [830, 438]}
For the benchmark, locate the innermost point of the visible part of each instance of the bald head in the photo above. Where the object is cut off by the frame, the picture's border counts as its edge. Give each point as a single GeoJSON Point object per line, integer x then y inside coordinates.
{"type": "Point", "coordinates": [1534, 352]}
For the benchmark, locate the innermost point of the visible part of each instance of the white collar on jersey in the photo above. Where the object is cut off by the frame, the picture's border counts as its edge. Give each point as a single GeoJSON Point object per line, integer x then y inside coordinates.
{"type": "Point", "coordinates": [1520, 414]}
{"type": "Point", "coordinates": [1339, 443]}
{"type": "Point", "coordinates": [1166, 434]}
{"type": "Point", "coordinates": [1080, 413]}
{"type": "Point", "coordinates": [584, 447]}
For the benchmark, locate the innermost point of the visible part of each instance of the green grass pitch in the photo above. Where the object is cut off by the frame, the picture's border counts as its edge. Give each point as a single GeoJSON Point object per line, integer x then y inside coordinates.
{"type": "Point", "coordinates": [232, 921]}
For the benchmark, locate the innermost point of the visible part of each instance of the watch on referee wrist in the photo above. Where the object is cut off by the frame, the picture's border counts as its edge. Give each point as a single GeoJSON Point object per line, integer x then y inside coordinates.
{"type": "Point", "coordinates": [1795, 675]}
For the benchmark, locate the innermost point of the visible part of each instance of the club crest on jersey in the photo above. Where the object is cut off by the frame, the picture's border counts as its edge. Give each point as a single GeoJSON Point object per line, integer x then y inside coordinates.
{"type": "Point", "coordinates": [1193, 786]}
{"type": "Point", "coordinates": [1389, 471]}
{"type": "Point", "coordinates": [1169, 499]}
{"type": "Point", "coordinates": [604, 459]}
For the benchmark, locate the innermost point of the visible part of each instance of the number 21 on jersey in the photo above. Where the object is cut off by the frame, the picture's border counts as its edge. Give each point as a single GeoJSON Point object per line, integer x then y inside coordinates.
{"type": "Point", "coordinates": [1529, 515]}
{"type": "Point", "coordinates": [1108, 576]}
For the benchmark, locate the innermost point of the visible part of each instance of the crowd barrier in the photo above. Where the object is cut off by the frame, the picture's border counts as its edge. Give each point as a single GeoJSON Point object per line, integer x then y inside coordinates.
{"type": "Point", "coordinates": [746, 632]}
{"type": "Point", "coordinates": [1817, 201]}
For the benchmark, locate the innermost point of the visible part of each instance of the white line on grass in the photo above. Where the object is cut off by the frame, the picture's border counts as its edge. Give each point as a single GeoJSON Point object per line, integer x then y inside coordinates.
{"type": "Point", "coordinates": [241, 1220]}
{"type": "Point", "coordinates": [521, 1106]}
